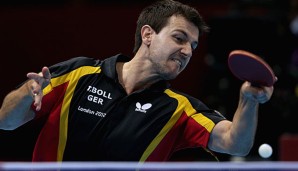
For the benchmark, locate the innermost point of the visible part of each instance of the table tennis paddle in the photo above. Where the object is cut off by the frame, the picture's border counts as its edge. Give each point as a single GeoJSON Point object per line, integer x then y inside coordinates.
{"type": "Point", "coordinates": [249, 67]}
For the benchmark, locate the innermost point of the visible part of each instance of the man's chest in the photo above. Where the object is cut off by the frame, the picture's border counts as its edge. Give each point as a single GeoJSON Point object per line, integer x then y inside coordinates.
{"type": "Point", "coordinates": [99, 99]}
{"type": "Point", "coordinates": [102, 116]}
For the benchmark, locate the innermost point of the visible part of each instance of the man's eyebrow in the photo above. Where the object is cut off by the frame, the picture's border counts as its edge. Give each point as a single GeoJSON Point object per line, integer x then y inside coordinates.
{"type": "Point", "coordinates": [182, 31]}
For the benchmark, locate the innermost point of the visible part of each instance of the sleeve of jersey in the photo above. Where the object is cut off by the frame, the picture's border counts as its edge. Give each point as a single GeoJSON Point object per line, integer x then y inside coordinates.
{"type": "Point", "coordinates": [189, 127]}
{"type": "Point", "coordinates": [200, 120]}
{"type": "Point", "coordinates": [61, 75]}
{"type": "Point", "coordinates": [195, 122]}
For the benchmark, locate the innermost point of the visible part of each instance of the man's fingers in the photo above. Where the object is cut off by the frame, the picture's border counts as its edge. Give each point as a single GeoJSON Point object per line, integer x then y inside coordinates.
{"type": "Point", "coordinates": [33, 75]}
{"type": "Point", "coordinates": [37, 100]}
{"type": "Point", "coordinates": [46, 73]}
{"type": "Point", "coordinates": [260, 94]}
{"type": "Point", "coordinates": [39, 81]}
{"type": "Point", "coordinates": [43, 78]}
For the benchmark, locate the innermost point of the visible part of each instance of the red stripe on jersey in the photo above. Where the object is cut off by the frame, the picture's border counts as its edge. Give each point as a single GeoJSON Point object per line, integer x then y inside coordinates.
{"type": "Point", "coordinates": [47, 143]}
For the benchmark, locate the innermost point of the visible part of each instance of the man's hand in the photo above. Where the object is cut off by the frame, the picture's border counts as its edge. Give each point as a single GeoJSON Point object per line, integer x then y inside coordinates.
{"type": "Point", "coordinates": [259, 94]}
{"type": "Point", "coordinates": [40, 81]}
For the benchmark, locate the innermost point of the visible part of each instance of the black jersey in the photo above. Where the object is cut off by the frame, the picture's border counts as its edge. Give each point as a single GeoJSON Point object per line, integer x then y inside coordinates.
{"type": "Point", "coordinates": [90, 117]}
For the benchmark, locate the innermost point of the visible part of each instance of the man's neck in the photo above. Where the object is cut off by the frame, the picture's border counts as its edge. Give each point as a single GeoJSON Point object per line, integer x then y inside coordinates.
{"type": "Point", "coordinates": [134, 76]}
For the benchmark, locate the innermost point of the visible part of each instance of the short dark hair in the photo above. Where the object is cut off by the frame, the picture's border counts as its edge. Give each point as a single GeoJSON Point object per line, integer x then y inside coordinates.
{"type": "Point", "coordinates": [157, 15]}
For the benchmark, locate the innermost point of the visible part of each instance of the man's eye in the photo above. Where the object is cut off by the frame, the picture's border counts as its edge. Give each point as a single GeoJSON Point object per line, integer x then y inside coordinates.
{"type": "Point", "coordinates": [179, 39]}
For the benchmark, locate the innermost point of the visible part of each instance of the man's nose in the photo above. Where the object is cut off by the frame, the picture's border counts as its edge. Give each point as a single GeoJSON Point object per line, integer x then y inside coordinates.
{"type": "Point", "coordinates": [186, 50]}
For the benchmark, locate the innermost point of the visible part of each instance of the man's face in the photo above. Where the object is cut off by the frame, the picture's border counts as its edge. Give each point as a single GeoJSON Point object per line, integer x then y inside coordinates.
{"type": "Point", "coordinates": [171, 49]}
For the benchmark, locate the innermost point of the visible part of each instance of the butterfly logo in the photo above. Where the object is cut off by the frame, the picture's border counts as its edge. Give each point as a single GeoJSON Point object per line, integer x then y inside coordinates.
{"type": "Point", "coordinates": [143, 108]}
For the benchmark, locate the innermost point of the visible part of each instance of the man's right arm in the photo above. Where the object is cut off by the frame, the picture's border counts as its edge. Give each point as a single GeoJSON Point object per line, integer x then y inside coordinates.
{"type": "Point", "coordinates": [16, 107]}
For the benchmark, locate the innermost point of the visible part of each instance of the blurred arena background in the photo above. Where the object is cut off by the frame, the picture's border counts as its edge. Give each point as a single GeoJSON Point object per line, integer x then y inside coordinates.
{"type": "Point", "coordinates": [36, 33]}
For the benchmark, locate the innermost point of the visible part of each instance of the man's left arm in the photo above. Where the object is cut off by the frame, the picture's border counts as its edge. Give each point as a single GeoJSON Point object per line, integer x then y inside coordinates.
{"type": "Point", "coordinates": [236, 137]}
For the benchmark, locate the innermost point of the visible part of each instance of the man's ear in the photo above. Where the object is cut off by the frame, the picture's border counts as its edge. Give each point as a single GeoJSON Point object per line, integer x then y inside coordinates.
{"type": "Point", "coordinates": [146, 33]}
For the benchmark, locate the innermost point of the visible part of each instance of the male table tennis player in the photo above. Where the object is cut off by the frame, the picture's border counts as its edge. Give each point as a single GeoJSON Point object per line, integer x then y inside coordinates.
{"type": "Point", "coordinates": [123, 109]}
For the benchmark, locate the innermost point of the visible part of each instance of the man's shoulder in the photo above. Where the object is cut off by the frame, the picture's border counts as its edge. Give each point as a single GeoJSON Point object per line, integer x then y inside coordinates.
{"type": "Point", "coordinates": [200, 106]}
{"type": "Point", "coordinates": [78, 61]}
{"type": "Point", "coordinates": [118, 58]}
{"type": "Point", "coordinates": [193, 100]}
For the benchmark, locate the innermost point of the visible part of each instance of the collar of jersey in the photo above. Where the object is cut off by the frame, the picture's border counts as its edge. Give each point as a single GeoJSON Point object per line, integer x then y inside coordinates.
{"type": "Point", "coordinates": [109, 69]}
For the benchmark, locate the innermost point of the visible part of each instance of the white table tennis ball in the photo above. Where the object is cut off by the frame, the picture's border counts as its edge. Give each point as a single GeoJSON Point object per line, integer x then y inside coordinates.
{"type": "Point", "coordinates": [265, 150]}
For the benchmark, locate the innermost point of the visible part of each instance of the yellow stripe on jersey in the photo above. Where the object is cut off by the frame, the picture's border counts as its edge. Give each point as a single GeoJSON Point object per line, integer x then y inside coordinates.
{"type": "Point", "coordinates": [183, 106]}
{"type": "Point", "coordinates": [191, 112]}
{"type": "Point", "coordinates": [73, 78]}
